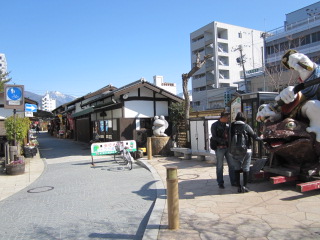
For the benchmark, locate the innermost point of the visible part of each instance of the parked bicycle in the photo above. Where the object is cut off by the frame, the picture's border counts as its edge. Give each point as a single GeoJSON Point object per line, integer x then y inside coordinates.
{"type": "Point", "coordinates": [125, 156]}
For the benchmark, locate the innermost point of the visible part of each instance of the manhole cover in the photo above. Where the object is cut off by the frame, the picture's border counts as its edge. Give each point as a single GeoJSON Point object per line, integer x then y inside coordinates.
{"type": "Point", "coordinates": [40, 189]}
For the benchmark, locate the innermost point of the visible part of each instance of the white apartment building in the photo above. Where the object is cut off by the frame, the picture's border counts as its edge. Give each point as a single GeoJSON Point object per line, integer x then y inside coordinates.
{"type": "Point", "coordinates": [223, 42]}
{"type": "Point", "coordinates": [3, 63]}
{"type": "Point", "coordinates": [301, 31]}
{"type": "Point", "coordinates": [170, 87]}
{"type": "Point", "coordinates": [47, 103]}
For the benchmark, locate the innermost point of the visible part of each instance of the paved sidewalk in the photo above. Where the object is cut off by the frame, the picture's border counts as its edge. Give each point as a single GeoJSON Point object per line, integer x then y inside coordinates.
{"type": "Point", "coordinates": [10, 184]}
{"type": "Point", "coordinates": [207, 212]}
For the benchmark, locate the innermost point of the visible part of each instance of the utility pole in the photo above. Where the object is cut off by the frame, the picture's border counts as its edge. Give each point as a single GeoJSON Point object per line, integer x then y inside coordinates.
{"type": "Point", "coordinates": [241, 62]}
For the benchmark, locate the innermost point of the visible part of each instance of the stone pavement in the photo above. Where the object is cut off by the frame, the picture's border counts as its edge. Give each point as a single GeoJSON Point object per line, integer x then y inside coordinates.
{"type": "Point", "coordinates": [73, 199]}
{"type": "Point", "coordinates": [207, 212]}
{"type": "Point", "coordinates": [12, 184]}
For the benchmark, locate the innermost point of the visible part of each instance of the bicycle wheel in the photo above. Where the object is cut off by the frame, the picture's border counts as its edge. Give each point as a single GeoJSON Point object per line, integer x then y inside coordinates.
{"type": "Point", "coordinates": [119, 158]}
{"type": "Point", "coordinates": [127, 159]}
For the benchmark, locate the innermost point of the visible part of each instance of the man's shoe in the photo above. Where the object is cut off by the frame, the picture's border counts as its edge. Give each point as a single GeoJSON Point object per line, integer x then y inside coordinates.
{"type": "Point", "coordinates": [240, 190]}
{"type": "Point", "coordinates": [221, 186]}
{"type": "Point", "coordinates": [245, 189]}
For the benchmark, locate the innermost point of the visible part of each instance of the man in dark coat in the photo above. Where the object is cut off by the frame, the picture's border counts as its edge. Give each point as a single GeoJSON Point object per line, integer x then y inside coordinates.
{"type": "Point", "coordinates": [219, 131]}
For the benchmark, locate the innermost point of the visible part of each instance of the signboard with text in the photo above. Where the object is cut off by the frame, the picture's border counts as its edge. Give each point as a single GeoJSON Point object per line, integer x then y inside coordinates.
{"type": "Point", "coordinates": [28, 114]}
{"type": "Point", "coordinates": [14, 97]}
{"type": "Point", "coordinates": [106, 148]}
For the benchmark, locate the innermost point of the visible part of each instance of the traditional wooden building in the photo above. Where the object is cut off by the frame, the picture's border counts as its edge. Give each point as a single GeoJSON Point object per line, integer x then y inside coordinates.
{"type": "Point", "coordinates": [115, 114]}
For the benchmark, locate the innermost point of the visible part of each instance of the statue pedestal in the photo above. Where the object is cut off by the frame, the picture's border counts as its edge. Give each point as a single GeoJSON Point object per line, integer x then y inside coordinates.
{"type": "Point", "coordinates": [161, 146]}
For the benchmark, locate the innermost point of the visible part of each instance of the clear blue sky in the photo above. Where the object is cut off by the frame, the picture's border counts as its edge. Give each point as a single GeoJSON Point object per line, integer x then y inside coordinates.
{"type": "Point", "coordinates": [79, 46]}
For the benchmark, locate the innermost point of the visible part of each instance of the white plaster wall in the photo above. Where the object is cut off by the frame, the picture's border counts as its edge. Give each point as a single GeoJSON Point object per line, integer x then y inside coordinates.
{"type": "Point", "coordinates": [162, 108]}
{"type": "Point", "coordinates": [135, 109]}
{"type": "Point", "coordinates": [117, 113]}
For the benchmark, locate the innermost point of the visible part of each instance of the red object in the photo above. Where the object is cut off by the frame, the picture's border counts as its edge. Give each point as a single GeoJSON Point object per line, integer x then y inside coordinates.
{"type": "Point", "coordinates": [308, 186]}
{"type": "Point", "coordinates": [261, 175]}
{"type": "Point", "coordinates": [282, 179]}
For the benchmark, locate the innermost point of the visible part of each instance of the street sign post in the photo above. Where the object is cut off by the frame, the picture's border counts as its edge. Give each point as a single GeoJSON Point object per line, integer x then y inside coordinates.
{"type": "Point", "coordinates": [14, 97]}
{"type": "Point", "coordinates": [31, 107]}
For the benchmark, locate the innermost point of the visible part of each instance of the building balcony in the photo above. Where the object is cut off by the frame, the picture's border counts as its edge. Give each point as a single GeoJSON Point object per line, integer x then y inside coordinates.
{"type": "Point", "coordinates": [293, 28]}
{"type": "Point", "coordinates": [198, 44]}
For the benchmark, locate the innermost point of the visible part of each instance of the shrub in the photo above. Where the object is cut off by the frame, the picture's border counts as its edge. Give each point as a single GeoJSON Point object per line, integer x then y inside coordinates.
{"type": "Point", "coordinates": [18, 126]}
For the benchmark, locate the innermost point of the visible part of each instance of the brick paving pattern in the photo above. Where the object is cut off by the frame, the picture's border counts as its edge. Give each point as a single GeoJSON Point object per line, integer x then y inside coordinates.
{"type": "Point", "coordinates": [72, 200]}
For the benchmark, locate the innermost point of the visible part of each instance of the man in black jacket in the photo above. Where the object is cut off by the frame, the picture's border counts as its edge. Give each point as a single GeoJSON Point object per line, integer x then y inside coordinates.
{"type": "Point", "coordinates": [219, 131]}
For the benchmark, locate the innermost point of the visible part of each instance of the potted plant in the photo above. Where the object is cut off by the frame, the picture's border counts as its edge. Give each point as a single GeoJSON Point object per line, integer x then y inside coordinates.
{"type": "Point", "coordinates": [16, 131]}
{"type": "Point", "coordinates": [16, 167]}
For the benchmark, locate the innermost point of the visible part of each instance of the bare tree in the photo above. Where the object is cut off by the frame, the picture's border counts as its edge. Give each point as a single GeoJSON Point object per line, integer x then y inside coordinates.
{"type": "Point", "coordinates": [185, 80]}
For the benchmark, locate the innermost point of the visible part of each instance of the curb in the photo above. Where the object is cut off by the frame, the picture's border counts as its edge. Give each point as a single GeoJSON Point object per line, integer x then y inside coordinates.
{"type": "Point", "coordinates": [154, 223]}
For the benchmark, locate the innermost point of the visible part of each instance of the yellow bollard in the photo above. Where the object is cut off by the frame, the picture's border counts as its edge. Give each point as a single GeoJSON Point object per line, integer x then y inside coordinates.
{"type": "Point", "coordinates": [149, 148]}
{"type": "Point", "coordinates": [173, 197]}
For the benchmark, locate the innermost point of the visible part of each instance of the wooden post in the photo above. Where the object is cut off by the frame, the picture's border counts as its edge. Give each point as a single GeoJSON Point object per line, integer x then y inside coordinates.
{"type": "Point", "coordinates": [173, 197]}
{"type": "Point", "coordinates": [149, 148]}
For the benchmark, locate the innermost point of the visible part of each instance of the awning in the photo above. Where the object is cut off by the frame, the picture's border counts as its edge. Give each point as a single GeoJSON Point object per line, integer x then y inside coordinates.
{"type": "Point", "coordinates": [84, 112]}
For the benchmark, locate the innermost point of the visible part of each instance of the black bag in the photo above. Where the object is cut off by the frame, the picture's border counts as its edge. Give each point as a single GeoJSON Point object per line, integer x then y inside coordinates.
{"type": "Point", "coordinates": [238, 145]}
{"type": "Point", "coordinates": [213, 144]}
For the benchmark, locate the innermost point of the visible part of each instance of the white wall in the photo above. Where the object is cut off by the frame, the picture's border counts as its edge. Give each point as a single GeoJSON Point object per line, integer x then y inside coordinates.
{"type": "Point", "coordinates": [138, 109]}
{"type": "Point", "coordinates": [162, 108]}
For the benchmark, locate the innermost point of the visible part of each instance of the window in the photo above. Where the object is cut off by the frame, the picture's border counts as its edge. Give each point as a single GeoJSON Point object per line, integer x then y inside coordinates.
{"type": "Point", "coordinates": [198, 38]}
{"type": "Point", "coordinates": [268, 50]}
{"type": "Point", "coordinates": [305, 40]}
{"type": "Point", "coordinates": [199, 76]}
{"type": "Point", "coordinates": [145, 123]}
{"type": "Point", "coordinates": [284, 46]}
{"type": "Point", "coordinates": [294, 43]}
{"type": "Point", "coordinates": [197, 103]}
{"type": "Point", "coordinates": [314, 37]}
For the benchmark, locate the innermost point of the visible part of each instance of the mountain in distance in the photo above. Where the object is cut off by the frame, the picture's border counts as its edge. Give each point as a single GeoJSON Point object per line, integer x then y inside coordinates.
{"type": "Point", "coordinates": [58, 96]}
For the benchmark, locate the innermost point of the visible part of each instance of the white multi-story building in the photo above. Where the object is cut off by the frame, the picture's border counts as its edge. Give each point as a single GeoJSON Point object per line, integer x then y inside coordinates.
{"type": "Point", "coordinates": [301, 31]}
{"type": "Point", "coordinates": [170, 87]}
{"type": "Point", "coordinates": [47, 103]}
{"type": "Point", "coordinates": [225, 44]}
{"type": "Point", "coordinates": [3, 63]}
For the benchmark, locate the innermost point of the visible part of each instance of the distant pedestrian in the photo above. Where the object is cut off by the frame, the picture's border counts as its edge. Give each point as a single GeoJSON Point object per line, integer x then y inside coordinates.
{"type": "Point", "coordinates": [241, 134]}
{"type": "Point", "coordinates": [37, 129]}
{"type": "Point", "coordinates": [219, 131]}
